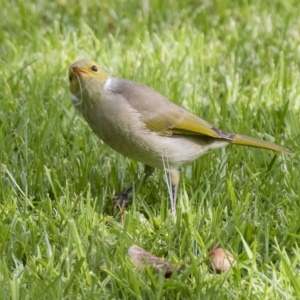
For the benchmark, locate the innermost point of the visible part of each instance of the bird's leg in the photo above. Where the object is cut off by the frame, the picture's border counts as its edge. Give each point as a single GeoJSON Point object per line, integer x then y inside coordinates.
{"type": "Point", "coordinates": [125, 196]}
{"type": "Point", "coordinates": [174, 176]}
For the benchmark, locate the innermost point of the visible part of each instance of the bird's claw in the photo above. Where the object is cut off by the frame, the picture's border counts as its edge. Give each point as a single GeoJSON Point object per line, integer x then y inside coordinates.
{"type": "Point", "coordinates": [123, 199]}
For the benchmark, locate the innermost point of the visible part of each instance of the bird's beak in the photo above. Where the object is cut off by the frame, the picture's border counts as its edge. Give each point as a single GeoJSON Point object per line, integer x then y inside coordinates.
{"type": "Point", "coordinates": [75, 73]}
{"type": "Point", "coordinates": [78, 70]}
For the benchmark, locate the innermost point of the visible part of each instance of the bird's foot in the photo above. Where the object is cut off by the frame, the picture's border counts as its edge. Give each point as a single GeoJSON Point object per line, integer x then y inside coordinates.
{"type": "Point", "coordinates": [123, 198]}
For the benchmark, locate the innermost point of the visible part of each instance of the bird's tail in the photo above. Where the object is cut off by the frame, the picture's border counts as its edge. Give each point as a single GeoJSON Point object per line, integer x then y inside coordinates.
{"type": "Point", "coordinates": [252, 142]}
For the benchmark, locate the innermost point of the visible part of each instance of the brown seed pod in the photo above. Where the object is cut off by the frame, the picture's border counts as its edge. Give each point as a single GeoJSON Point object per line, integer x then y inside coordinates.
{"type": "Point", "coordinates": [140, 258]}
{"type": "Point", "coordinates": [220, 260]}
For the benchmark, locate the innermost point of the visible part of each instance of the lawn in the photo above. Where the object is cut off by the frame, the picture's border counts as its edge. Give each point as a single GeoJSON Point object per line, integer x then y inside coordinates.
{"type": "Point", "coordinates": [234, 63]}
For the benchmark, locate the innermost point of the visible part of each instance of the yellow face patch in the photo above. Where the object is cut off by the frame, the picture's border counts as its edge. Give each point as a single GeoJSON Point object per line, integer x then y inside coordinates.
{"type": "Point", "coordinates": [82, 72]}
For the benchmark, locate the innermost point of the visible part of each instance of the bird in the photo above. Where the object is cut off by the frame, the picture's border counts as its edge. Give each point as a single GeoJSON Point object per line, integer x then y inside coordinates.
{"type": "Point", "coordinates": [141, 124]}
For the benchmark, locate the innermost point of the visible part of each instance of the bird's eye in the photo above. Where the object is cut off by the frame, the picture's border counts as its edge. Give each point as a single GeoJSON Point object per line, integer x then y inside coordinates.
{"type": "Point", "coordinates": [70, 78]}
{"type": "Point", "coordinates": [94, 68]}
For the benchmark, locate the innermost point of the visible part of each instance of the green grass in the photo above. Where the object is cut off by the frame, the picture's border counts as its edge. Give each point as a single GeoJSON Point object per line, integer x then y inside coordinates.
{"type": "Point", "coordinates": [236, 64]}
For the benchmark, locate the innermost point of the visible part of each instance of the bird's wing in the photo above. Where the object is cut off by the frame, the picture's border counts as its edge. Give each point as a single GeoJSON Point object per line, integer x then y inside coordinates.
{"type": "Point", "coordinates": [178, 121]}
{"type": "Point", "coordinates": [163, 116]}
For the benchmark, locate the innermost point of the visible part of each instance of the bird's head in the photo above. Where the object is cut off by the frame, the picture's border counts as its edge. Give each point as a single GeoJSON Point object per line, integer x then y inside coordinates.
{"type": "Point", "coordinates": [85, 76]}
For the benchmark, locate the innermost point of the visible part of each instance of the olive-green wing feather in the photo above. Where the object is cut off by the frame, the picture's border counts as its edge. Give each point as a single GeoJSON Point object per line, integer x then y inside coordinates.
{"type": "Point", "coordinates": [178, 121]}
{"type": "Point", "coordinates": [189, 124]}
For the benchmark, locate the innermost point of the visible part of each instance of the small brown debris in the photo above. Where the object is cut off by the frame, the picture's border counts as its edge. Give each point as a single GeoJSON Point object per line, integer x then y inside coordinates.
{"type": "Point", "coordinates": [140, 258]}
{"type": "Point", "coordinates": [220, 260]}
